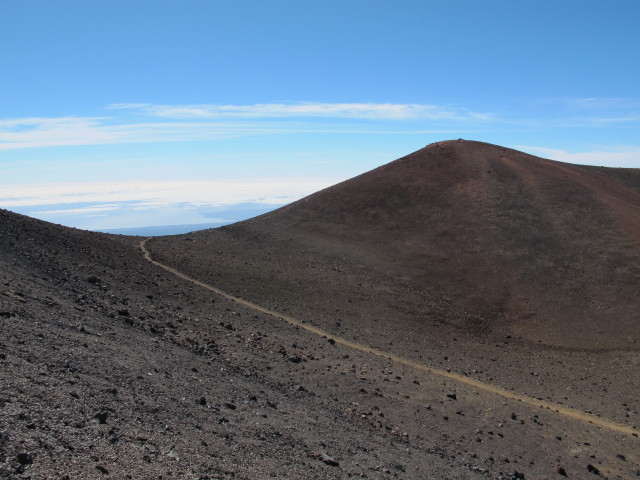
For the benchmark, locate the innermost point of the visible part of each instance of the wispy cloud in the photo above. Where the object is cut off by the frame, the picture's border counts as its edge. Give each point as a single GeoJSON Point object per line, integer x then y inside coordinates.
{"type": "Point", "coordinates": [374, 111]}
{"type": "Point", "coordinates": [628, 157]}
{"type": "Point", "coordinates": [64, 131]}
{"type": "Point", "coordinates": [184, 123]}
{"type": "Point", "coordinates": [591, 112]}
{"type": "Point", "coordinates": [154, 123]}
{"type": "Point", "coordinates": [47, 132]}
{"type": "Point", "coordinates": [608, 120]}
{"type": "Point", "coordinates": [602, 103]}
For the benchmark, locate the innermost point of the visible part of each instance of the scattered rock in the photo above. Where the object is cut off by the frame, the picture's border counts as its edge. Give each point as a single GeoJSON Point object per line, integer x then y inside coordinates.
{"type": "Point", "coordinates": [323, 457]}
{"type": "Point", "coordinates": [102, 417]}
{"type": "Point", "coordinates": [25, 458]}
{"type": "Point", "coordinates": [592, 469]}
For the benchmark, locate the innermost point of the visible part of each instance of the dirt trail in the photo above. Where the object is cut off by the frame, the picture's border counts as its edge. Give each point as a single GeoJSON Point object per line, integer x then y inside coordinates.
{"type": "Point", "coordinates": [568, 412]}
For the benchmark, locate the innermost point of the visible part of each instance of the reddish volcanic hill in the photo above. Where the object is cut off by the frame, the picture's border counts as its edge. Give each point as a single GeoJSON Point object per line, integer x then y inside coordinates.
{"type": "Point", "coordinates": [550, 251]}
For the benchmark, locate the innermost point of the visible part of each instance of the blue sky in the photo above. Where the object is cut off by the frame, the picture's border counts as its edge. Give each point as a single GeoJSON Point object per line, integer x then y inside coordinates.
{"type": "Point", "coordinates": [122, 114]}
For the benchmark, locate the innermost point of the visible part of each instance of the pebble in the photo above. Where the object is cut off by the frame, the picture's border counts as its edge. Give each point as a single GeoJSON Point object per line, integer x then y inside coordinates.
{"type": "Point", "coordinates": [101, 417]}
{"type": "Point", "coordinates": [25, 458]}
{"type": "Point", "coordinates": [323, 457]}
{"type": "Point", "coordinates": [592, 469]}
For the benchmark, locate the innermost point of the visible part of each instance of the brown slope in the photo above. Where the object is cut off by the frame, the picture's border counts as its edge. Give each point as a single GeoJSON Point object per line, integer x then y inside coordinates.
{"type": "Point", "coordinates": [112, 368]}
{"type": "Point", "coordinates": [485, 236]}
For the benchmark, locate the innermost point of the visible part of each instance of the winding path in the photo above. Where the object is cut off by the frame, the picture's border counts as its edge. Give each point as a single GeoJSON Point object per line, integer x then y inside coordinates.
{"type": "Point", "coordinates": [487, 387]}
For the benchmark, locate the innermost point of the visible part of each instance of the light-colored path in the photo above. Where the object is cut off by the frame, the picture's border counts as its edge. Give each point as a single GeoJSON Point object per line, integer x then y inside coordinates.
{"type": "Point", "coordinates": [560, 409]}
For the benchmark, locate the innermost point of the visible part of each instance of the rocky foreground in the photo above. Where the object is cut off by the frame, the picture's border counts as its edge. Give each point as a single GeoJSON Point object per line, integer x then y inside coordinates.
{"type": "Point", "coordinates": [112, 368]}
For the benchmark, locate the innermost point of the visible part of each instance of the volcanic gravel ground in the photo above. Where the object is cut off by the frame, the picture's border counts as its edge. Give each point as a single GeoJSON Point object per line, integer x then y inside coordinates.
{"type": "Point", "coordinates": [535, 441]}
{"type": "Point", "coordinates": [517, 273]}
{"type": "Point", "coordinates": [113, 369]}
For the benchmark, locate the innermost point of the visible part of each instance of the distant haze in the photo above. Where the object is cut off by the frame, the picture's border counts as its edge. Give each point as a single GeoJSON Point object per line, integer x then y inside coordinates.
{"type": "Point", "coordinates": [232, 215]}
{"type": "Point", "coordinates": [165, 229]}
{"type": "Point", "coordinates": [110, 206]}
{"type": "Point", "coordinates": [177, 218]}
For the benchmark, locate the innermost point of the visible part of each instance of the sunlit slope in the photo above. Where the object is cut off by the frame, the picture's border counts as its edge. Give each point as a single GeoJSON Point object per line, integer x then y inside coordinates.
{"type": "Point", "coordinates": [552, 249]}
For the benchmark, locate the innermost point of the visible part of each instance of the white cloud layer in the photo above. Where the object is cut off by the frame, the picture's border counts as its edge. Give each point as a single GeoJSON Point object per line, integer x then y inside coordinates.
{"type": "Point", "coordinates": [152, 194]}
